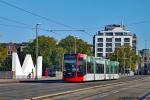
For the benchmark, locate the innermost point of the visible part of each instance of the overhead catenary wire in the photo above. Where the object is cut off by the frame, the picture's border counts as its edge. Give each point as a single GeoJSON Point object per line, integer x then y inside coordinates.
{"type": "Point", "coordinates": [25, 26]}
{"type": "Point", "coordinates": [34, 14]}
{"type": "Point", "coordinates": [53, 21]}
{"type": "Point", "coordinates": [15, 26]}
{"type": "Point", "coordinates": [37, 15]}
{"type": "Point", "coordinates": [14, 21]}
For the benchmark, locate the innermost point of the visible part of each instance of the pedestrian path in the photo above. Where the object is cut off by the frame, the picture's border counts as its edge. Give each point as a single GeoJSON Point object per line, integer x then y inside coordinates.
{"type": "Point", "coordinates": [3, 81]}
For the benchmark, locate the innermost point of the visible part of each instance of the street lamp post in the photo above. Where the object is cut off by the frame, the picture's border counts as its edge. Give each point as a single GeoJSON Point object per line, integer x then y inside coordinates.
{"type": "Point", "coordinates": [130, 62]}
{"type": "Point", "coordinates": [117, 55]}
{"type": "Point", "coordinates": [36, 77]}
{"type": "Point", "coordinates": [75, 48]}
{"type": "Point", "coordinates": [124, 61]}
{"type": "Point", "coordinates": [75, 44]}
{"type": "Point", "coordinates": [124, 65]}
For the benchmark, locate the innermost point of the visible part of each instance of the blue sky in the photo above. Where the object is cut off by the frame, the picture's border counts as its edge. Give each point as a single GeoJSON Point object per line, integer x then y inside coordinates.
{"type": "Point", "coordinates": [90, 15]}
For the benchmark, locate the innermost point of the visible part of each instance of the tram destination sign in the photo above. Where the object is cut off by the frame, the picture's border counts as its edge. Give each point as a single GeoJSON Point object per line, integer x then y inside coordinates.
{"type": "Point", "coordinates": [69, 56]}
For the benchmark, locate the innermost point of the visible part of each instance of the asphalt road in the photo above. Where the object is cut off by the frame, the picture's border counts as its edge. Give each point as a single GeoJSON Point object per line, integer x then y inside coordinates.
{"type": "Point", "coordinates": [134, 90]}
{"type": "Point", "coordinates": [31, 89]}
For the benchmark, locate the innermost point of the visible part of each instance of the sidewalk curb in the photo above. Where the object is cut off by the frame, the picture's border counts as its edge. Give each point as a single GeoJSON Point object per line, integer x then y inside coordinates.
{"type": "Point", "coordinates": [5, 81]}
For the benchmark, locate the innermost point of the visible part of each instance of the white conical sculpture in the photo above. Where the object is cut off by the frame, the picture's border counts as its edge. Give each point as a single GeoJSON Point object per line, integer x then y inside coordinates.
{"type": "Point", "coordinates": [27, 67]}
{"type": "Point", "coordinates": [16, 66]}
{"type": "Point", "coordinates": [39, 68]}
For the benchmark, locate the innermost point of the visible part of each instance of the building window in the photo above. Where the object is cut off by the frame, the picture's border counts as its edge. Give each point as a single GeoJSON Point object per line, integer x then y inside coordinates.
{"type": "Point", "coordinates": [9, 52]}
{"type": "Point", "coordinates": [126, 39]}
{"type": "Point", "coordinates": [145, 58]}
{"type": "Point", "coordinates": [99, 54]}
{"type": "Point", "coordinates": [134, 41]}
{"type": "Point", "coordinates": [99, 49]}
{"type": "Point", "coordinates": [108, 49]}
{"type": "Point", "coordinates": [119, 34]}
{"type": "Point", "coordinates": [126, 43]}
{"type": "Point", "coordinates": [108, 39]}
{"type": "Point", "coordinates": [117, 39]}
{"type": "Point", "coordinates": [117, 45]}
{"type": "Point", "coordinates": [100, 39]}
{"type": "Point", "coordinates": [100, 44]}
{"type": "Point", "coordinates": [108, 44]}
{"type": "Point", "coordinates": [100, 34]}
{"type": "Point", "coordinates": [109, 34]}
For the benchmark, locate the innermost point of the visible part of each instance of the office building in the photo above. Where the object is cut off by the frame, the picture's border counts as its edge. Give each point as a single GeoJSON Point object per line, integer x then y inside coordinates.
{"type": "Point", "coordinates": [113, 36]}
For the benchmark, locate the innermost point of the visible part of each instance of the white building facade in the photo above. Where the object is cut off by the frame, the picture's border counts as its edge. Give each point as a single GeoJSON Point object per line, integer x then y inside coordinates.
{"type": "Point", "coordinates": [113, 36]}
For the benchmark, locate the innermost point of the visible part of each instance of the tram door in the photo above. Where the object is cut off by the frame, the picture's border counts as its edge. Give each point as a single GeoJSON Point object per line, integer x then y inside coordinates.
{"type": "Point", "coordinates": [81, 66]}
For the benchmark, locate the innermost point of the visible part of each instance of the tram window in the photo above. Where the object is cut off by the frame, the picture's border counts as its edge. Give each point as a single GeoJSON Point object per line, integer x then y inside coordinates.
{"type": "Point", "coordinates": [107, 69]}
{"type": "Point", "coordinates": [100, 68]}
{"type": "Point", "coordinates": [69, 69]}
{"type": "Point", "coordinates": [81, 67]}
{"type": "Point", "coordinates": [90, 67]}
{"type": "Point", "coordinates": [116, 69]}
{"type": "Point", "coordinates": [111, 69]}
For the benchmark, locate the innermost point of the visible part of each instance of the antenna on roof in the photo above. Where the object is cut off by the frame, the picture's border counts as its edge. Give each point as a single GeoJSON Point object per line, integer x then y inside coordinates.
{"type": "Point", "coordinates": [122, 21]}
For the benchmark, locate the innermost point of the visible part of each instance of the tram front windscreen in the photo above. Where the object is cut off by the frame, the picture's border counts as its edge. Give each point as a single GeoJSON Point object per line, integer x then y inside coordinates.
{"type": "Point", "coordinates": [69, 65]}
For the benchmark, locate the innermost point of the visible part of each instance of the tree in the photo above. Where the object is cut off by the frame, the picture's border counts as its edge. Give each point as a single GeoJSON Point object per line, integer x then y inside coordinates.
{"type": "Point", "coordinates": [3, 55]}
{"type": "Point", "coordinates": [69, 45]}
{"type": "Point", "coordinates": [57, 57]}
{"type": "Point", "coordinates": [7, 64]}
{"type": "Point", "coordinates": [126, 56]}
{"type": "Point", "coordinates": [46, 47]}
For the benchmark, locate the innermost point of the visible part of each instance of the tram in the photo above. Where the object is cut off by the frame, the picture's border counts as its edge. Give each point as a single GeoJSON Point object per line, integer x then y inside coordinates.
{"type": "Point", "coordinates": [81, 68]}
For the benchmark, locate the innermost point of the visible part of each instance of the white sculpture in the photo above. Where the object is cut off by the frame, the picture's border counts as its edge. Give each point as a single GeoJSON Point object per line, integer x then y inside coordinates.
{"type": "Point", "coordinates": [27, 67]}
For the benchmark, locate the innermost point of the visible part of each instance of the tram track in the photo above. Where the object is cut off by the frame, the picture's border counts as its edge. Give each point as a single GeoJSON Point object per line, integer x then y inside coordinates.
{"type": "Point", "coordinates": [113, 90]}
{"type": "Point", "coordinates": [89, 88]}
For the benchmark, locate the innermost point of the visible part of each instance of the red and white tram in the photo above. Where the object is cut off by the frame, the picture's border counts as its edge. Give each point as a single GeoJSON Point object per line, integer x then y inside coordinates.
{"type": "Point", "coordinates": [80, 68]}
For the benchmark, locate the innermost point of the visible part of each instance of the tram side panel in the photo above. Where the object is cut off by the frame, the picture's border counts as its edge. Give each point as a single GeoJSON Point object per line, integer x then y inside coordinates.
{"type": "Point", "coordinates": [89, 76]}
{"type": "Point", "coordinates": [99, 69]}
{"type": "Point", "coordinates": [107, 69]}
{"type": "Point", "coordinates": [111, 69]}
{"type": "Point", "coordinates": [116, 71]}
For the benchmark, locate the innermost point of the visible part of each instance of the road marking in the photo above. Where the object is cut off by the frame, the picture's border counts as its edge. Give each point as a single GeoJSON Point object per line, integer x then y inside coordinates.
{"type": "Point", "coordinates": [72, 91]}
{"type": "Point", "coordinates": [124, 88]}
{"type": "Point", "coordinates": [115, 91]}
{"type": "Point", "coordinates": [103, 95]}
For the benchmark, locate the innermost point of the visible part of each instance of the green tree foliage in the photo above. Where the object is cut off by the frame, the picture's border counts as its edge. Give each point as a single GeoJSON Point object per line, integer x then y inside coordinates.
{"type": "Point", "coordinates": [69, 45]}
{"type": "Point", "coordinates": [52, 53]}
{"type": "Point", "coordinates": [3, 55]}
{"type": "Point", "coordinates": [126, 56]}
{"type": "Point", "coordinates": [57, 58]}
{"type": "Point", "coordinates": [47, 49]}
{"type": "Point", "coordinates": [7, 64]}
